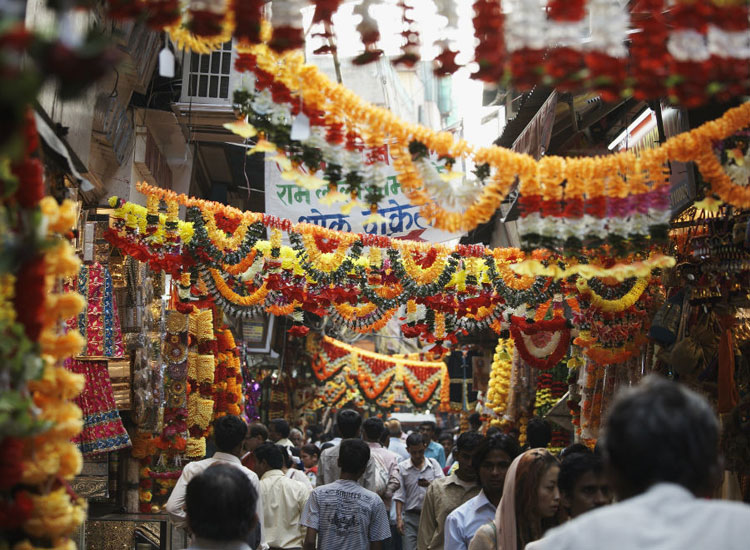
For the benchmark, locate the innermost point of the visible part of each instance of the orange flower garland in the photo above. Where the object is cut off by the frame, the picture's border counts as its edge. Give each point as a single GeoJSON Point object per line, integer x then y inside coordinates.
{"type": "Point", "coordinates": [256, 298]}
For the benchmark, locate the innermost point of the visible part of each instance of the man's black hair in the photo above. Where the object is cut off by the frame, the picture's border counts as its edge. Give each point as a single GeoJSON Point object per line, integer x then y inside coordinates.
{"type": "Point", "coordinates": [661, 431]}
{"type": "Point", "coordinates": [445, 436]}
{"type": "Point", "coordinates": [348, 422]}
{"type": "Point", "coordinates": [575, 465]}
{"type": "Point", "coordinates": [538, 433]}
{"type": "Point", "coordinates": [271, 454]}
{"type": "Point", "coordinates": [353, 456]}
{"type": "Point", "coordinates": [572, 449]}
{"type": "Point", "coordinates": [311, 450]}
{"type": "Point", "coordinates": [468, 441]}
{"type": "Point", "coordinates": [258, 429]}
{"type": "Point", "coordinates": [229, 432]}
{"type": "Point", "coordinates": [500, 442]}
{"type": "Point", "coordinates": [373, 428]}
{"type": "Point", "coordinates": [414, 440]}
{"type": "Point", "coordinates": [429, 424]}
{"type": "Point", "coordinates": [280, 426]}
{"type": "Point", "coordinates": [326, 445]}
{"type": "Point", "coordinates": [493, 431]}
{"type": "Point", "coordinates": [220, 503]}
{"type": "Point", "coordinates": [288, 462]}
{"type": "Point", "coordinates": [475, 420]}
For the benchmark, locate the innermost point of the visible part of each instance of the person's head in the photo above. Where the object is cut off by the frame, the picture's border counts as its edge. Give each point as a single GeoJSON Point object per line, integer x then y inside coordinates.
{"type": "Point", "coordinates": [288, 462]}
{"type": "Point", "coordinates": [583, 485]}
{"type": "Point", "coordinates": [538, 433]}
{"type": "Point", "coordinates": [446, 440]}
{"type": "Point", "coordinates": [491, 461]}
{"type": "Point", "coordinates": [220, 504]}
{"type": "Point", "coordinates": [385, 438]}
{"type": "Point", "coordinates": [295, 436]}
{"type": "Point", "coordinates": [256, 434]}
{"type": "Point", "coordinates": [660, 431]}
{"type": "Point", "coordinates": [475, 421]}
{"type": "Point", "coordinates": [466, 445]}
{"type": "Point", "coordinates": [268, 456]}
{"type": "Point", "coordinates": [572, 449]}
{"type": "Point", "coordinates": [537, 497]}
{"type": "Point", "coordinates": [348, 422]}
{"type": "Point", "coordinates": [278, 429]}
{"type": "Point", "coordinates": [394, 427]}
{"type": "Point", "coordinates": [494, 431]}
{"type": "Point", "coordinates": [229, 434]}
{"type": "Point", "coordinates": [428, 430]}
{"type": "Point", "coordinates": [372, 429]}
{"type": "Point", "coordinates": [353, 457]}
{"type": "Point", "coordinates": [416, 446]}
{"type": "Point", "coordinates": [310, 454]}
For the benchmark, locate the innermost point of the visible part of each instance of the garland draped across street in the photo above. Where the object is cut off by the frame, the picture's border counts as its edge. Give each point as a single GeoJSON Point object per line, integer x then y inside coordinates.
{"type": "Point", "coordinates": [372, 375]}
{"type": "Point", "coordinates": [360, 281]}
{"type": "Point", "coordinates": [619, 200]}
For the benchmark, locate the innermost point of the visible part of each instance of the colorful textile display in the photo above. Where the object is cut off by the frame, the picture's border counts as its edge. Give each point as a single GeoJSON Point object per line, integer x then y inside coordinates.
{"type": "Point", "coordinates": [100, 322]}
{"type": "Point", "coordinates": [103, 430]}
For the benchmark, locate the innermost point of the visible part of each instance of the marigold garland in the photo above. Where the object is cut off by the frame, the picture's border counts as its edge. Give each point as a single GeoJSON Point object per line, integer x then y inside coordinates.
{"type": "Point", "coordinates": [500, 374]}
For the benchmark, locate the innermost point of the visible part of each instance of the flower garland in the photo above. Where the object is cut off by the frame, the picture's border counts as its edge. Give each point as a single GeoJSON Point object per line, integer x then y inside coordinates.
{"type": "Point", "coordinates": [40, 418]}
{"type": "Point", "coordinates": [620, 304]}
{"type": "Point", "coordinates": [201, 374]}
{"type": "Point", "coordinates": [373, 373]}
{"type": "Point", "coordinates": [554, 333]}
{"type": "Point", "coordinates": [500, 378]}
{"type": "Point", "coordinates": [321, 93]}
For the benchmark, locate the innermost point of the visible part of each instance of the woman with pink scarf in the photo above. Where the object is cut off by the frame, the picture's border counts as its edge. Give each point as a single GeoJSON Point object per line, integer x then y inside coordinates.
{"type": "Point", "coordinates": [529, 505]}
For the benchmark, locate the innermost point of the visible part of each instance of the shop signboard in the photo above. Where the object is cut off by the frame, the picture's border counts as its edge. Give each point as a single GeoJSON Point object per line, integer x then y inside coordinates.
{"type": "Point", "coordinates": [287, 200]}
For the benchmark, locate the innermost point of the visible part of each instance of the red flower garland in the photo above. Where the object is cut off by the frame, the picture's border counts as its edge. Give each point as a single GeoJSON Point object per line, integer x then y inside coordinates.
{"type": "Point", "coordinates": [521, 327]}
{"type": "Point", "coordinates": [490, 51]}
{"type": "Point", "coordinates": [248, 16]}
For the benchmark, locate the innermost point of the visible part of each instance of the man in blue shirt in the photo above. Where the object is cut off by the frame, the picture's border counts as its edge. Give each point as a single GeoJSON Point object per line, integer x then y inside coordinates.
{"type": "Point", "coordinates": [434, 449]}
{"type": "Point", "coordinates": [491, 461]}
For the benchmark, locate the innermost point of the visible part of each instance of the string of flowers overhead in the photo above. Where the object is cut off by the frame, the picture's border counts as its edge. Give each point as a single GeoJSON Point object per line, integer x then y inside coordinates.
{"type": "Point", "coordinates": [596, 201]}
{"type": "Point", "coordinates": [691, 51]}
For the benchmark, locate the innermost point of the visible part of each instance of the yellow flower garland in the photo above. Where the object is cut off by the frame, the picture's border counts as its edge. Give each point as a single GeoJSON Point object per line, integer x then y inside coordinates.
{"type": "Point", "coordinates": [615, 306]}
{"type": "Point", "coordinates": [543, 177]}
{"type": "Point", "coordinates": [500, 373]}
{"type": "Point", "coordinates": [327, 261]}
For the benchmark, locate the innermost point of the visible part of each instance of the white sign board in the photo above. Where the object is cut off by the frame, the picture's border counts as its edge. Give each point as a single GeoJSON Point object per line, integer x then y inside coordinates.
{"type": "Point", "coordinates": [285, 199]}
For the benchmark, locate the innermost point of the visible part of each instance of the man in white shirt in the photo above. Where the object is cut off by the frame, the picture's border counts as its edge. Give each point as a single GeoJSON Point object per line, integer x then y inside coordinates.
{"type": "Point", "coordinates": [396, 444]}
{"type": "Point", "coordinates": [661, 445]}
{"type": "Point", "coordinates": [229, 435]}
{"type": "Point", "coordinates": [412, 477]}
{"type": "Point", "coordinates": [372, 431]}
{"type": "Point", "coordinates": [349, 423]}
{"type": "Point", "coordinates": [278, 432]}
{"type": "Point", "coordinates": [491, 462]}
{"type": "Point", "coordinates": [283, 499]}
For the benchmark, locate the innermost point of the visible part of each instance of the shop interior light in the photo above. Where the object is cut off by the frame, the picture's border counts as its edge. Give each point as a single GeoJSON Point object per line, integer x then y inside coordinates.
{"type": "Point", "coordinates": [635, 131]}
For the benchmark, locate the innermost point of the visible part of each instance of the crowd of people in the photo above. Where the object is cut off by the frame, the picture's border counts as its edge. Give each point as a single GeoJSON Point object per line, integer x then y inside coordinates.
{"type": "Point", "coordinates": [373, 487]}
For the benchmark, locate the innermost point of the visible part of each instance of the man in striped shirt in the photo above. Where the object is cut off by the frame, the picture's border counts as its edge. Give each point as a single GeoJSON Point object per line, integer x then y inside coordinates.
{"type": "Point", "coordinates": [343, 515]}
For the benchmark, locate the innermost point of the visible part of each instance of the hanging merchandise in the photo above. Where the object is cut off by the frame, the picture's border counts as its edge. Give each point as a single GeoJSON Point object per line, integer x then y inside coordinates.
{"type": "Point", "coordinates": [100, 323]}
{"type": "Point", "coordinates": [201, 372]}
{"type": "Point", "coordinates": [103, 430]}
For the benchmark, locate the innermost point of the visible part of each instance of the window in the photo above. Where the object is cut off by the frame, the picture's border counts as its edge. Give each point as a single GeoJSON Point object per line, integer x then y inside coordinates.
{"type": "Point", "coordinates": [211, 75]}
